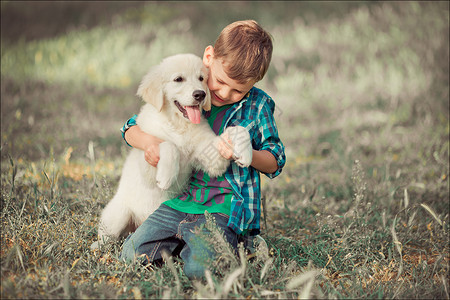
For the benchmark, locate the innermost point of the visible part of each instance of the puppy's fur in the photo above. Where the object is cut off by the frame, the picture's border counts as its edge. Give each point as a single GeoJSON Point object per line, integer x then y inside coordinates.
{"type": "Point", "coordinates": [175, 92]}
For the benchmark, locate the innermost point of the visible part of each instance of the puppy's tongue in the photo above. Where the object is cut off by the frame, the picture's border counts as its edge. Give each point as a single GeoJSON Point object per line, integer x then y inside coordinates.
{"type": "Point", "coordinates": [193, 113]}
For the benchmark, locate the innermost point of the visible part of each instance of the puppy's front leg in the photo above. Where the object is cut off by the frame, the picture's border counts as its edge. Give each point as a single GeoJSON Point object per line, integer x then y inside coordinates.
{"type": "Point", "coordinates": [207, 157]}
{"type": "Point", "coordinates": [168, 165]}
{"type": "Point", "coordinates": [242, 145]}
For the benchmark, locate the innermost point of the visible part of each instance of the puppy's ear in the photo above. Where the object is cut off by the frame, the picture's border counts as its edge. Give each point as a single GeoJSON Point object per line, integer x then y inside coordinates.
{"type": "Point", "coordinates": [207, 104]}
{"type": "Point", "coordinates": [151, 90]}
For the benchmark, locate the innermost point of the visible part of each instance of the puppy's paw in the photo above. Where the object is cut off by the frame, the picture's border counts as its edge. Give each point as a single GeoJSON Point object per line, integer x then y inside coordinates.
{"type": "Point", "coordinates": [95, 245]}
{"type": "Point", "coordinates": [100, 242]}
{"type": "Point", "coordinates": [243, 151]}
{"type": "Point", "coordinates": [168, 165]}
{"type": "Point", "coordinates": [164, 177]}
{"type": "Point", "coordinates": [245, 159]}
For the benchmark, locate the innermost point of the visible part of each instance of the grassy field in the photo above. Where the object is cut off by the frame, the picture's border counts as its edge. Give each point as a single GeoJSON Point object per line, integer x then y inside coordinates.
{"type": "Point", "coordinates": [361, 209]}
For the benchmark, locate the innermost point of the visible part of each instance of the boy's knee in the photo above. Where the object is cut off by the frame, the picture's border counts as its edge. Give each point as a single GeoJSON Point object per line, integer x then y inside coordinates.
{"type": "Point", "coordinates": [194, 271]}
{"type": "Point", "coordinates": [129, 252]}
{"type": "Point", "coordinates": [127, 255]}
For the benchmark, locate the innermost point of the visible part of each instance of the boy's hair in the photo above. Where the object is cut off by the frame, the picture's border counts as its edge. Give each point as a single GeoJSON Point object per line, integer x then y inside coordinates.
{"type": "Point", "coordinates": [247, 48]}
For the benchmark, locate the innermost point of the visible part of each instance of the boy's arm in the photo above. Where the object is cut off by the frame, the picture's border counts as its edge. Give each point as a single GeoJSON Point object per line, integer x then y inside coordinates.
{"type": "Point", "coordinates": [139, 139]}
{"type": "Point", "coordinates": [264, 161]}
{"type": "Point", "coordinates": [270, 157]}
{"type": "Point", "coordinates": [136, 138]}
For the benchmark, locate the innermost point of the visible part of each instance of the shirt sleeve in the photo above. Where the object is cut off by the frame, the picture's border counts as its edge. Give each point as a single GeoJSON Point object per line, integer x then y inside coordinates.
{"type": "Point", "coordinates": [131, 122]}
{"type": "Point", "coordinates": [268, 135]}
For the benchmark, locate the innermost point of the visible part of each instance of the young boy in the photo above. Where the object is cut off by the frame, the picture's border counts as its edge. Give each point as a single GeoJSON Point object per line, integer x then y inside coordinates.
{"type": "Point", "coordinates": [239, 59]}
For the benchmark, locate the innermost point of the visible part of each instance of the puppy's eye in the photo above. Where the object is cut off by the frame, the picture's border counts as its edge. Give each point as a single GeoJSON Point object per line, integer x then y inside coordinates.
{"type": "Point", "coordinates": [178, 79]}
{"type": "Point", "coordinates": [201, 78]}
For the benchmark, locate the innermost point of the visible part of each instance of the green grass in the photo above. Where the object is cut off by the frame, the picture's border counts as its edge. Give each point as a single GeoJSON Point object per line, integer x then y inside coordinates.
{"type": "Point", "coordinates": [361, 209]}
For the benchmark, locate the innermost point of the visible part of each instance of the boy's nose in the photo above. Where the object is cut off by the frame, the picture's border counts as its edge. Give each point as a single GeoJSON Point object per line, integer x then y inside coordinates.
{"type": "Point", "coordinates": [199, 95]}
{"type": "Point", "coordinates": [224, 93]}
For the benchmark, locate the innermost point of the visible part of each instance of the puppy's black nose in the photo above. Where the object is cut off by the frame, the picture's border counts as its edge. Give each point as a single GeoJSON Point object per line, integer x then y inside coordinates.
{"type": "Point", "coordinates": [199, 95]}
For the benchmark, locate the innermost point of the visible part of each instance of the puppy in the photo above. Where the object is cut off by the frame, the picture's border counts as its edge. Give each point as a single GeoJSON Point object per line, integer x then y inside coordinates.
{"type": "Point", "coordinates": [175, 92]}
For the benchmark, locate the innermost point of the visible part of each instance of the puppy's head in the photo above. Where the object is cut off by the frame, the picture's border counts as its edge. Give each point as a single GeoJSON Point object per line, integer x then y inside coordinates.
{"type": "Point", "coordinates": [178, 85]}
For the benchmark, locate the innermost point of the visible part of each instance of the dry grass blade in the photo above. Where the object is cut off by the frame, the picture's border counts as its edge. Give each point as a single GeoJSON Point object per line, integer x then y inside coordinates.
{"type": "Point", "coordinates": [66, 285]}
{"type": "Point", "coordinates": [301, 279]}
{"type": "Point", "coordinates": [432, 213]}
{"type": "Point", "coordinates": [209, 279]}
{"type": "Point", "coordinates": [406, 198]}
{"type": "Point", "coordinates": [306, 292]}
{"type": "Point", "coordinates": [397, 243]}
{"type": "Point", "coordinates": [243, 258]}
{"type": "Point", "coordinates": [398, 246]}
{"type": "Point", "coordinates": [229, 282]}
{"type": "Point", "coordinates": [136, 293]}
{"type": "Point", "coordinates": [20, 256]}
{"type": "Point", "coordinates": [444, 283]}
{"type": "Point", "coordinates": [171, 266]}
{"type": "Point", "coordinates": [266, 267]}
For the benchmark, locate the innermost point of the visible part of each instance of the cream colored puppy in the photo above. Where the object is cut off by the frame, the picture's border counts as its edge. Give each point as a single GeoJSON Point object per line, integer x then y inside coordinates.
{"type": "Point", "coordinates": [175, 92]}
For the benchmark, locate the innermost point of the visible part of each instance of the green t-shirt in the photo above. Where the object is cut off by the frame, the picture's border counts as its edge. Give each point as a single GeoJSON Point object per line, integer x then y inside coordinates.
{"type": "Point", "coordinates": [205, 193]}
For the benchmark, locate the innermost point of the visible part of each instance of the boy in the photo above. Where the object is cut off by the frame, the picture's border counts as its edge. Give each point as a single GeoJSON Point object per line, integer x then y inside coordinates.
{"type": "Point", "coordinates": [239, 58]}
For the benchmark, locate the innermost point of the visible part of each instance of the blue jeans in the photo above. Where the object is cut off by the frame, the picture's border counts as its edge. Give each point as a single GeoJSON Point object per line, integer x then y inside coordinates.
{"type": "Point", "coordinates": [169, 229]}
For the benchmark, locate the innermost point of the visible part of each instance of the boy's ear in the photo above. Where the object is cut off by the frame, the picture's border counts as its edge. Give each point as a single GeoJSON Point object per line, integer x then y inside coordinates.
{"type": "Point", "coordinates": [151, 90]}
{"type": "Point", "coordinates": [208, 56]}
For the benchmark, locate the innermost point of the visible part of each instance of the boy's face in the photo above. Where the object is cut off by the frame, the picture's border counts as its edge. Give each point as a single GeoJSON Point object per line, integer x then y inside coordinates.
{"type": "Point", "coordinates": [224, 90]}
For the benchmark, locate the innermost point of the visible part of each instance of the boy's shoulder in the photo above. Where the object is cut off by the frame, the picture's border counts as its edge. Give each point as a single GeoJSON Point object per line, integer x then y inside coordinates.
{"type": "Point", "coordinates": [259, 97]}
{"type": "Point", "coordinates": [258, 93]}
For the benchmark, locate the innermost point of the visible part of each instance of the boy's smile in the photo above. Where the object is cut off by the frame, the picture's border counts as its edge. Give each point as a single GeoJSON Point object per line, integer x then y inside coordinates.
{"type": "Point", "coordinates": [224, 90]}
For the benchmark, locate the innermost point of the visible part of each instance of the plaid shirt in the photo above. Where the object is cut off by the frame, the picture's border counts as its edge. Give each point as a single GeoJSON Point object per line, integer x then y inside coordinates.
{"type": "Point", "coordinates": [255, 113]}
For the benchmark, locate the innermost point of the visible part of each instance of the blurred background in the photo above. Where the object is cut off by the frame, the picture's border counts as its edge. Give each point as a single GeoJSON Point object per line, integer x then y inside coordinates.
{"type": "Point", "coordinates": [70, 69]}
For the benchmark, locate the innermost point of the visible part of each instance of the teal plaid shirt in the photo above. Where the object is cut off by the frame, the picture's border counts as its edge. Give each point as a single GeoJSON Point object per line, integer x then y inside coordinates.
{"type": "Point", "coordinates": [255, 112]}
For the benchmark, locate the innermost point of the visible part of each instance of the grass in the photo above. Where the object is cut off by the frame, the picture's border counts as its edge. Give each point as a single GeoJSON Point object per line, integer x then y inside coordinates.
{"type": "Point", "coordinates": [361, 209]}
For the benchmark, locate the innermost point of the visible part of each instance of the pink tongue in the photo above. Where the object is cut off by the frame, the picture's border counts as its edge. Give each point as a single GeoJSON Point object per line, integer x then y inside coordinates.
{"type": "Point", "coordinates": [193, 113]}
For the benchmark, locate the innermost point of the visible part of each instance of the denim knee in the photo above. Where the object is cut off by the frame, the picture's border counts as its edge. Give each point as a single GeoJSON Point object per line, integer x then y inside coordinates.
{"type": "Point", "coordinates": [128, 251]}
{"type": "Point", "coordinates": [194, 270]}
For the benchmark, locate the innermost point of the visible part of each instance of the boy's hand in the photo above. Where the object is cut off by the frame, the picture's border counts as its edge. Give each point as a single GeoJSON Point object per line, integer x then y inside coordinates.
{"type": "Point", "coordinates": [225, 146]}
{"type": "Point", "coordinates": [151, 154]}
{"type": "Point", "coordinates": [145, 142]}
{"type": "Point", "coordinates": [151, 149]}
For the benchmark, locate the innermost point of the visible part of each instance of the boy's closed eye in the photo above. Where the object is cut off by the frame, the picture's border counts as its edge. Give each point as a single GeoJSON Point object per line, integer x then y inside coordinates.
{"type": "Point", "coordinates": [234, 90]}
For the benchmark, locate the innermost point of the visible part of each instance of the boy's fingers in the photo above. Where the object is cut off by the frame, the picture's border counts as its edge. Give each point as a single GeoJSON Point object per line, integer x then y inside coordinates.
{"type": "Point", "coordinates": [225, 149]}
{"type": "Point", "coordinates": [152, 157]}
{"type": "Point", "coordinates": [226, 152]}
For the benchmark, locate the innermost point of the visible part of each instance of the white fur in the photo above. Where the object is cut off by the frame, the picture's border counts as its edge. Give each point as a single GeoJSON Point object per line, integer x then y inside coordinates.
{"type": "Point", "coordinates": [142, 188]}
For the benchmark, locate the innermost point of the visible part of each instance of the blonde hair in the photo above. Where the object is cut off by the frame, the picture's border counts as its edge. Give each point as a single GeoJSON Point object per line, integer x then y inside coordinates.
{"type": "Point", "coordinates": [247, 48]}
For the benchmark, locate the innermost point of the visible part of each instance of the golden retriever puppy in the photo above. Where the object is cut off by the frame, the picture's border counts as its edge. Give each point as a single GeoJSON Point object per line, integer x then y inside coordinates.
{"type": "Point", "coordinates": [175, 92]}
